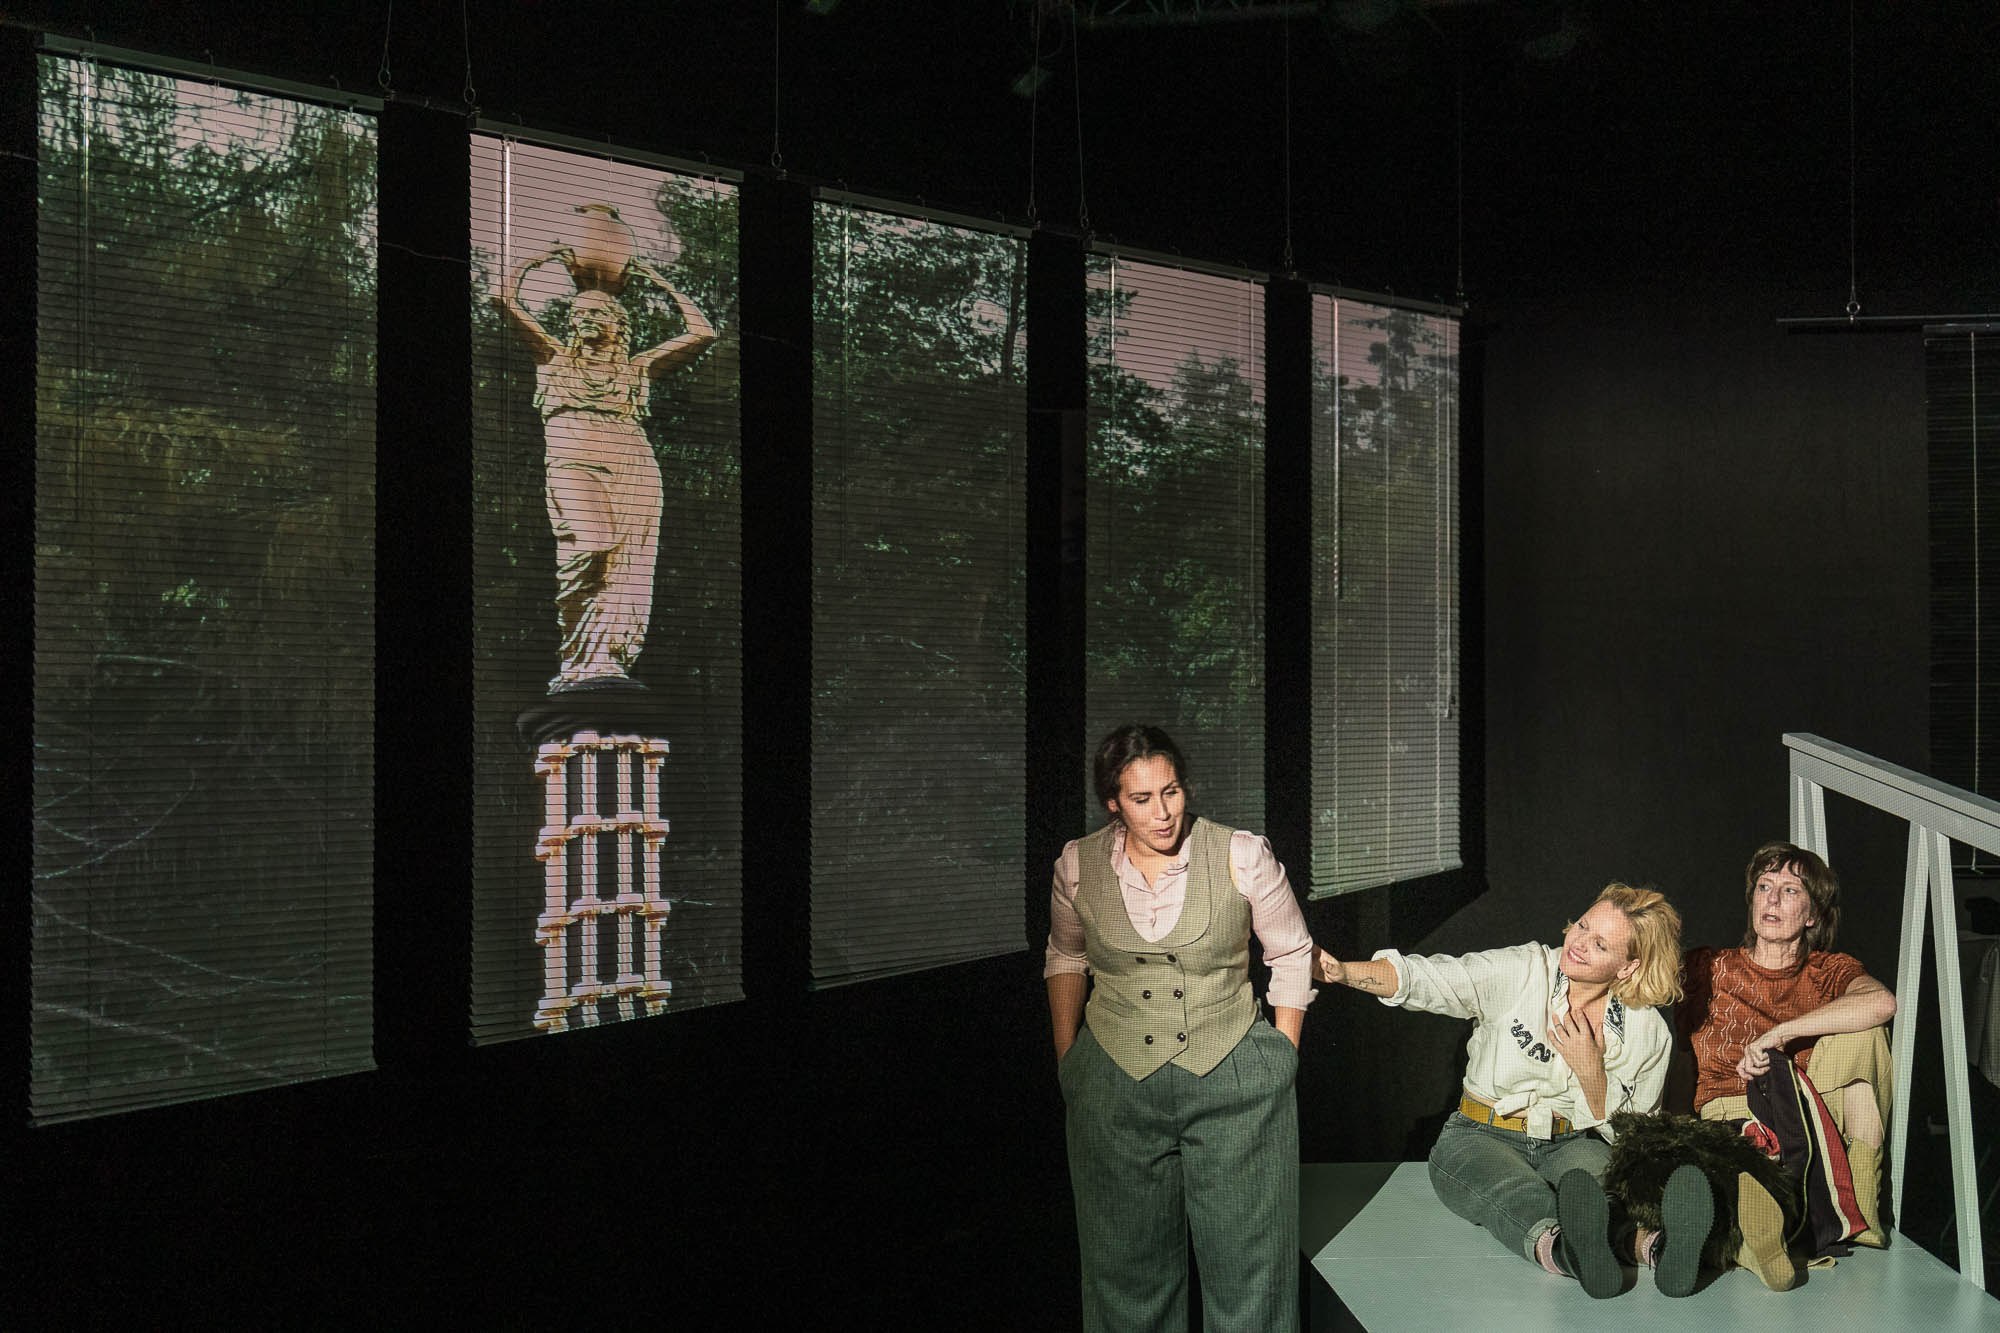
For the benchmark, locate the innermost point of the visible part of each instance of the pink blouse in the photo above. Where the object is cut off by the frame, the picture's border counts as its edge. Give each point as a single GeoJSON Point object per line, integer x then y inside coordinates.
{"type": "Point", "coordinates": [1275, 918]}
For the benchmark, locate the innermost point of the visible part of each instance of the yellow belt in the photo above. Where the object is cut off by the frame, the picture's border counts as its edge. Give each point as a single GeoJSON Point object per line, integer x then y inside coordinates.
{"type": "Point", "coordinates": [1474, 1109]}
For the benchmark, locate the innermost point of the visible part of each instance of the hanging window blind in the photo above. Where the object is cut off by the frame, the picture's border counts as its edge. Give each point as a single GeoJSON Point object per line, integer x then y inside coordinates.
{"type": "Point", "coordinates": [1962, 415]}
{"type": "Point", "coordinates": [1174, 625]}
{"type": "Point", "coordinates": [607, 825]}
{"type": "Point", "coordinates": [919, 506]}
{"type": "Point", "coordinates": [204, 590]}
{"type": "Point", "coordinates": [1385, 595]}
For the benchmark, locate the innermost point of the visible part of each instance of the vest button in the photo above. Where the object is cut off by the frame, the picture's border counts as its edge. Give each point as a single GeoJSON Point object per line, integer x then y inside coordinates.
{"type": "Point", "coordinates": [1181, 1037]}
{"type": "Point", "coordinates": [1149, 1039]}
{"type": "Point", "coordinates": [1172, 959]}
{"type": "Point", "coordinates": [1139, 959]}
{"type": "Point", "coordinates": [1145, 995]}
{"type": "Point", "coordinates": [1177, 993]}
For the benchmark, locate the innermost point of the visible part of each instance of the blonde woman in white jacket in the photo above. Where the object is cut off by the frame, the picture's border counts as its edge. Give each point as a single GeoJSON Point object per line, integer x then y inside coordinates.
{"type": "Point", "coordinates": [1563, 1038]}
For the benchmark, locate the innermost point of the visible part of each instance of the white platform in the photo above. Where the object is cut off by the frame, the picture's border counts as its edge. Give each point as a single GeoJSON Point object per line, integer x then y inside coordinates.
{"type": "Point", "coordinates": [1396, 1259]}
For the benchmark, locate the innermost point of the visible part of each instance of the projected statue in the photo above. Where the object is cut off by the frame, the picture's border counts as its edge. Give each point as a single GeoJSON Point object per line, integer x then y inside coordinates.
{"type": "Point", "coordinates": [603, 483]}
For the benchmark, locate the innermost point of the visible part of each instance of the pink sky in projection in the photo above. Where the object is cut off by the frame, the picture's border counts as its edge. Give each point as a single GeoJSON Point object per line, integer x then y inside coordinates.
{"type": "Point", "coordinates": [1176, 311]}
{"type": "Point", "coordinates": [543, 187]}
{"type": "Point", "coordinates": [1342, 337]}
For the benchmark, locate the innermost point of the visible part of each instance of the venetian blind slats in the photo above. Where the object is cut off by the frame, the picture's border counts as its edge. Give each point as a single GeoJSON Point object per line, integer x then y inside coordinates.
{"type": "Point", "coordinates": [1962, 421]}
{"type": "Point", "coordinates": [528, 199]}
{"type": "Point", "coordinates": [204, 591]}
{"type": "Point", "coordinates": [918, 624]}
{"type": "Point", "coordinates": [1385, 669]}
{"type": "Point", "coordinates": [1174, 622]}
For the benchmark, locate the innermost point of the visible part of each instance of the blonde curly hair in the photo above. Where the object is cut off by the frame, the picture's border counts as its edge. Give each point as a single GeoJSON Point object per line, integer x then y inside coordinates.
{"type": "Point", "coordinates": [1656, 943]}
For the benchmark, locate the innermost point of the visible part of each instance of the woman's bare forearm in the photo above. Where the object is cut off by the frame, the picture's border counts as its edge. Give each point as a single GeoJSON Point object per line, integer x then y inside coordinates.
{"type": "Point", "coordinates": [1867, 1003]}
{"type": "Point", "coordinates": [1376, 977]}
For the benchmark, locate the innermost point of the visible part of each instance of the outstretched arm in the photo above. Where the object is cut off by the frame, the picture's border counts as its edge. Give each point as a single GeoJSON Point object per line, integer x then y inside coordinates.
{"type": "Point", "coordinates": [508, 301]}
{"type": "Point", "coordinates": [675, 351]}
{"type": "Point", "coordinates": [1377, 977]}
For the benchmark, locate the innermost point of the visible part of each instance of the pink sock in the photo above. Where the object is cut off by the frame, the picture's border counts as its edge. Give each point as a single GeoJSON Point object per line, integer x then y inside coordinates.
{"type": "Point", "coordinates": [1545, 1251]}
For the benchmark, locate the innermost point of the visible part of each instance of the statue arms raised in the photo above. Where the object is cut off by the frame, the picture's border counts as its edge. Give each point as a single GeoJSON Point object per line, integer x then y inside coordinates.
{"type": "Point", "coordinates": [675, 351]}
{"type": "Point", "coordinates": [508, 302]}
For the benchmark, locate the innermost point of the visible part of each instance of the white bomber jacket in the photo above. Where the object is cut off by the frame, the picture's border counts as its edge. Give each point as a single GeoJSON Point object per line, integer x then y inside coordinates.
{"type": "Point", "coordinates": [1513, 995]}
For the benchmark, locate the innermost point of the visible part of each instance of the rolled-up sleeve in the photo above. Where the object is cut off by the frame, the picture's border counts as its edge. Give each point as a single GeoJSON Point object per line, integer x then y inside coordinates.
{"type": "Point", "coordinates": [1463, 986]}
{"type": "Point", "coordinates": [1065, 953]}
{"type": "Point", "coordinates": [1274, 918]}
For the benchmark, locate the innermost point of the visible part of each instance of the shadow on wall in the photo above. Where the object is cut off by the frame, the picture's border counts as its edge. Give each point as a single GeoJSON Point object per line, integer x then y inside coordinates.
{"type": "Point", "coordinates": [1376, 1083]}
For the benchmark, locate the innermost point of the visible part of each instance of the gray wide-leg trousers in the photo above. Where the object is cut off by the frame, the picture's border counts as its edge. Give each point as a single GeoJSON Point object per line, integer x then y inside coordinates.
{"type": "Point", "coordinates": [1155, 1160]}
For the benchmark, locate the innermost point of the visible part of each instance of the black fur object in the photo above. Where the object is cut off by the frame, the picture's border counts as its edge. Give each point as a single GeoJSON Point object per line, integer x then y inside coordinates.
{"type": "Point", "coordinates": [1649, 1147]}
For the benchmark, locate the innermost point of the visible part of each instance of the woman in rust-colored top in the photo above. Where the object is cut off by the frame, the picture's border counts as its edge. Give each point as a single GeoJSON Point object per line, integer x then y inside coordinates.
{"type": "Point", "coordinates": [1745, 1001]}
{"type": "Point", "coordinates": [1784, 990]}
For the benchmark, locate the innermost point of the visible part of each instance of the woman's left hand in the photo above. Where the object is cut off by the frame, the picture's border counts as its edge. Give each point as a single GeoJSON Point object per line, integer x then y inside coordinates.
{"type": "Point", "coordinates": [1757, 1051]}
{"type": "Point", "coordinates": [1580, 1045]}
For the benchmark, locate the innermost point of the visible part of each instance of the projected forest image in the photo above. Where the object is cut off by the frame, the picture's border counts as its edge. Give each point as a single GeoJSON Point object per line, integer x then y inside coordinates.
{"type": "Point", "coordinates": [204, 646]}
{"type": "Point", "coordinates": [1176, 501]}
{"type": "Point", "coordinates": [919, 439]}
{"type": "Point", "coordinates": [607, 532]}
{"type": "Point", "coordinates": [1385, 594]}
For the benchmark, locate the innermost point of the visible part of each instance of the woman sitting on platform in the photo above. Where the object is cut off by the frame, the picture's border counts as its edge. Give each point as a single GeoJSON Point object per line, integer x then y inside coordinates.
{"type": "Point", "coordinates": [1785, 990]}
{"type": "Point", "coordinates": [1562, 1039]}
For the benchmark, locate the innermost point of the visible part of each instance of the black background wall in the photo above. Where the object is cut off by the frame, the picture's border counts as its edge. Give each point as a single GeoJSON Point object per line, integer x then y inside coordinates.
{"type": "Point", "coordinates": [1689, 532]}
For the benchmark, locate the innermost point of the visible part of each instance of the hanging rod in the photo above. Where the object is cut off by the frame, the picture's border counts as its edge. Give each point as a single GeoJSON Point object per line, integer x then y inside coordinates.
{"type": "Point", "coordinates": [1889, 323]}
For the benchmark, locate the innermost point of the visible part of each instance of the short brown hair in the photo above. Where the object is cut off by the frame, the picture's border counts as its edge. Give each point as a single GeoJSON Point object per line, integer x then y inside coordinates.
{"type": "Point", "coordinates": [1821, 884]}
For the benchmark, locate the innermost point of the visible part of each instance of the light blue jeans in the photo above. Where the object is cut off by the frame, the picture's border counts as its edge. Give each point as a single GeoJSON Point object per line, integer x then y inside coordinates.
{"type": "Point", "coordinates": [1506, 1181]}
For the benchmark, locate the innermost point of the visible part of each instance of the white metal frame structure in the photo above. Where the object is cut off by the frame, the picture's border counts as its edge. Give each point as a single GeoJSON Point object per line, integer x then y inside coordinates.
{"type": "Point", "coordinates": [1938, 814]}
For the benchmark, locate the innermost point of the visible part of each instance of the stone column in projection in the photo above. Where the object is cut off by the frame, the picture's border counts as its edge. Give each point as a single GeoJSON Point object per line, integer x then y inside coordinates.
{"type": "Point", "coordinates": [604, 902]}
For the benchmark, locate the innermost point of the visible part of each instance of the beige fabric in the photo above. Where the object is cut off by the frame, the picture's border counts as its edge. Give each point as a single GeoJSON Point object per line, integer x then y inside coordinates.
{"type": "Point", "coordinates": [1838, 1059]}
{"type": "Point", "coordinates": [1184, 999]}
{"type": "Point", "coordinates": [1847, 1057]}
{"type": "Point", "coordinates": [1865, 1161]}
{"type": "Point", "coordinates": [1762, 1223]}
{"type": "Point", "coordinates": [1851, 1057]}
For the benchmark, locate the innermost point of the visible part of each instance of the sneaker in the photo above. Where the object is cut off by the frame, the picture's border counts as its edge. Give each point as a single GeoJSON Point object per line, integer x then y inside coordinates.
{"type": "Point", "coordinates": [1687, 1212]}
{"type": "Point", "coordinates": [1585, 1216]}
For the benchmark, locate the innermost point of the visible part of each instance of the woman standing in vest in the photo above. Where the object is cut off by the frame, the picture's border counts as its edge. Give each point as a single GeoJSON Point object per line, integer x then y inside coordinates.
{"type": "Point", "coordinates": [1563, 1038]}
{"type": "Point", "coordinates": [1180, 1114]}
